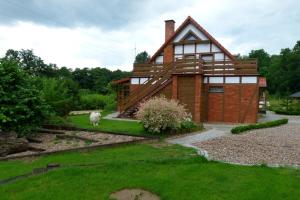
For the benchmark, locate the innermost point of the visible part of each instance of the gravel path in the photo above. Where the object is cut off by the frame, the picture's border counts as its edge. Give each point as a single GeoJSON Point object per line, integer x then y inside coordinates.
{"type": "Point", "coordinates": [272, 146]}
{"type": "Point", "coordinates": [212, 131]}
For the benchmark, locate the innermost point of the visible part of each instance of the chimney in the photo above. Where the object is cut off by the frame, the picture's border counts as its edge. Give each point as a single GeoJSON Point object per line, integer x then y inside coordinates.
{"type": "Point", "coordinates": [169, 28]}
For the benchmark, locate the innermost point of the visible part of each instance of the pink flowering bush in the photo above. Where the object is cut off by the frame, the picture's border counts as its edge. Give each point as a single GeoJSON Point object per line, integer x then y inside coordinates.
{"type": "Point", "coordinates": [159, 114]}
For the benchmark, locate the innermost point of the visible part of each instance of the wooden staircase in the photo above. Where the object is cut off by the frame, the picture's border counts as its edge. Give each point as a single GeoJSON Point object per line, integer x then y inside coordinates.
{"type": "Point", "coordinates": [146, 90]}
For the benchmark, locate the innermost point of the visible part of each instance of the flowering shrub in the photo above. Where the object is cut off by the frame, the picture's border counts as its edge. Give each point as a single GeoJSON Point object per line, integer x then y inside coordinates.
{"type": "Point", "coordinates": [160, 114]}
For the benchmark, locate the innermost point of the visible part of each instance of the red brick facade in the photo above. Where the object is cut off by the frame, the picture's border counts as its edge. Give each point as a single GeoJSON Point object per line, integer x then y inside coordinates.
{"type": "Point", "coordinates": [191, 58]}
{"type": "Point", "coordinates": [237, 104]}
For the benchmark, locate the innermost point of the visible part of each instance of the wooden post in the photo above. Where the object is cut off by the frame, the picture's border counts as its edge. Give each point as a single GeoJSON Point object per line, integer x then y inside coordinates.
{"type": "Point", "coordinates": [174, 87]}
{"type": "Point", "coordinates": [198, 88]}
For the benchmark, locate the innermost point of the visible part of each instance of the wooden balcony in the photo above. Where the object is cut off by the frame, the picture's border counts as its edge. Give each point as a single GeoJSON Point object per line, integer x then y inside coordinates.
{"type": "Point", "coordinates": [199, 66]}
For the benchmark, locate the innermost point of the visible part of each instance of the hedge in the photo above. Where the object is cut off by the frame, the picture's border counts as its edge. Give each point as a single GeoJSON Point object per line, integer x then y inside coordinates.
{"type": "Point", "coordinates": [240, 129]}
{"type": "Point", "coordinates": [284, 112]}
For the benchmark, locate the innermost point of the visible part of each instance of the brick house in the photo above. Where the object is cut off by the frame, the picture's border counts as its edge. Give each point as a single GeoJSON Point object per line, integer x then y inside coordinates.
{"type": "Point", "coordinates": [194, 68]}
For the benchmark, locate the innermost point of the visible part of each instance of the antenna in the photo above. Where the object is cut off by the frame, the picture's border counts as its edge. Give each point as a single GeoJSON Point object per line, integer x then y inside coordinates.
{"type": "Point", "coordinates": [134, 50]}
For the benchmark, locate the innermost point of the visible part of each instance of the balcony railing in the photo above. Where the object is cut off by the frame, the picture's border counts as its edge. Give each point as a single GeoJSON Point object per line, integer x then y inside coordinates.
{"type": "Point", "coordinates": [199, 66]}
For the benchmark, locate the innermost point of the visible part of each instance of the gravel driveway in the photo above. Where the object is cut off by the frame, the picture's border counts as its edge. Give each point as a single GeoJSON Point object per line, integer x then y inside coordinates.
{"type": "Point", "coordinates": [272, 146]}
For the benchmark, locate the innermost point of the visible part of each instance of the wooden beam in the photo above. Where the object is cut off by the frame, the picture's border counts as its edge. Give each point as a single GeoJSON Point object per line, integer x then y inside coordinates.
{"type": "Point", "coordinates": [174, 87]}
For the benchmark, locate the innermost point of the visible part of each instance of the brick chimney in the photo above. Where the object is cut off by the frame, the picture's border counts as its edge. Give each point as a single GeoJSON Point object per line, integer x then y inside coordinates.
{"type": "Point", "coordinates": [169, 28]}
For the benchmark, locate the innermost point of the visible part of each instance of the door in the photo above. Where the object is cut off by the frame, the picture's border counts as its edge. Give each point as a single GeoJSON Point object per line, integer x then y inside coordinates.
{"type": "Point", "coordinates": [215, 104]}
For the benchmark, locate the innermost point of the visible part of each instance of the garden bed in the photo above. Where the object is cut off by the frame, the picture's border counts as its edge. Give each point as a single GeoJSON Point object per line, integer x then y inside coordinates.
{"type": "Point", "coordinates": [70, 140]}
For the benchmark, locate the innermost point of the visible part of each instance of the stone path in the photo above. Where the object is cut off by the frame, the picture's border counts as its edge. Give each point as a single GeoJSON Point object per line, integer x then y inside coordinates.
{"type": "Point", "coordinates": [113, 116]}
{"type": "Point", "coordinates": [213, 131]}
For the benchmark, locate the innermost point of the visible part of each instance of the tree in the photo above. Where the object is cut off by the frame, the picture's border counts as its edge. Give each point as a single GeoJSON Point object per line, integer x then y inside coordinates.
{"type": "Point", "coordinates": [263, 60]}
{"type": "Point", "coordinates": [142, 57]}
{"type": "Point", "coordinates": [22, 108]}
{"type": "Point", "coordinates": [283, 74]}
{"type": "Point", "coordinates": [31, 63]}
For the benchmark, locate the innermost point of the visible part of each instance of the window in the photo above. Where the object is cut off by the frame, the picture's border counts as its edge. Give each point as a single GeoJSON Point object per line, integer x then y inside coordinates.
{"type": "Point", "coordinates": [135, 81]}
{"type": "Point", "coordinates": [215, 79]}
{"type": "Point", "coordinates": [232, 79]}
{"type": "Point", "coordinates": [178, 49]}
{"type": "Point", "coordinates": [249, 79]}
{"type": "Point", "coordinates": [216, 89]}
{"type": "Point", "coordinates": [203, 48]}
{"type": "Point", "coordinates": [207, 57]}
{"type": "Point", "coordinates": [143, 80]}
{"type": "Point", "coordinates": [189, 48]}
{"type": "Point", "coordinates": [219, 56]}
{"type": "Point", "coordinates": [159, 59]}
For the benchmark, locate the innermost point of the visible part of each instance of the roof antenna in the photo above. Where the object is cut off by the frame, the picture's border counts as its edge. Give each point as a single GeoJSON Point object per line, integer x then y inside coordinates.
{"type": "Point", "coordinates": [134, 50]}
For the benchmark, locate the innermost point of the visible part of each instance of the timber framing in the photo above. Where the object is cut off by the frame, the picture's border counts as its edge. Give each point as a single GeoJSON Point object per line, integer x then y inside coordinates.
{"type": "Point", "coordinates": [195, 69]}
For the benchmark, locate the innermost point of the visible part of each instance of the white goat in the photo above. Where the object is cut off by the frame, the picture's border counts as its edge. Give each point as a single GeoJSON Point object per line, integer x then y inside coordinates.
{"type": "Point", "coordinates": [94, 118]}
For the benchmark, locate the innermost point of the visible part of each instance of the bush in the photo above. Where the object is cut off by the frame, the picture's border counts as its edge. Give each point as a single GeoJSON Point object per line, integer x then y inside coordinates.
{"type": "Point", "coordinates": [188, 126]}
{"type": "Point", "coordinates": [22, 108]}
{"type": "Point", "coordinates": [286, 112]}
{"type": "Point", "coordinates": [240, 129]}
{"type": "Point", "coordinates": [97, 101]}
{"type": "Point", "coordinates": [60, 94]}
{"type": "Point", "coordinates": [285, 106]}
{"type": "Point", "coordinates": [161, 115]}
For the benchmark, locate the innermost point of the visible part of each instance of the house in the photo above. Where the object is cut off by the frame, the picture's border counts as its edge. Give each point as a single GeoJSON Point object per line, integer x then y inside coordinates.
{"type": "Point", "coordinates": [194, 68]}
{"type": "Point", "coordinates": [296, 95]}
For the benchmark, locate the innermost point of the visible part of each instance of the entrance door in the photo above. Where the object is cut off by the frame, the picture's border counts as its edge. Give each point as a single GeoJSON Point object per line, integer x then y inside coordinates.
{"type": "Point", "coordinates": [215, 104]}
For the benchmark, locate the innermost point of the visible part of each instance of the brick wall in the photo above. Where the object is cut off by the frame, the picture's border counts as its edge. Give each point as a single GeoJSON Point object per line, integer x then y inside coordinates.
{"type": "Point", "coordinates": [168, 53]}
{"type": "Point", "coordinates": [238, 104]}
{"type": "Point", "coordinates": [249, 103]}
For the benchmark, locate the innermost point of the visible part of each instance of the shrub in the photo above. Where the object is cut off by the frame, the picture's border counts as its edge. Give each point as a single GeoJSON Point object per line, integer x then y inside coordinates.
{"type": "Point", "coordinates": [22, 108]}
{"type": "Point", "coordinates": [286, 112]}
{"type": "Point", "coordinates": [161, 115]}
{"type": "Point", "coordinates": [240, 129]}
{"type": "Point", "coordinates": [188, 126]}
{"type": "Point", "coordinates": [97, 101]}
{"type": "Point", "coordinates": [60, 94]}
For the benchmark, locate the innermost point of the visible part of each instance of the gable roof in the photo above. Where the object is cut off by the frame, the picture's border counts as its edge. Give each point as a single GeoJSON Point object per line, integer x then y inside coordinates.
{"type": "Point", "coordinates": [296, 95]}
{"type": "Point", "coordinates": [188, 20]}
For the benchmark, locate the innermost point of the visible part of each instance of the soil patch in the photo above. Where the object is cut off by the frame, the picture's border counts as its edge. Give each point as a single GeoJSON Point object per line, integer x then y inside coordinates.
{"type": "Point", "coordinates": [134, 194]}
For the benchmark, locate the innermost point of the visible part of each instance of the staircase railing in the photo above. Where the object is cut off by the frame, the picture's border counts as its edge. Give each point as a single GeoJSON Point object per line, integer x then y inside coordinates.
{"type": "Point", "coordinates": [149, 86]}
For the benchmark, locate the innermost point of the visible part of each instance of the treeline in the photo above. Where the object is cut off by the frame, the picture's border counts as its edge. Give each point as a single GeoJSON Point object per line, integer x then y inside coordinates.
{"type": "Point", "coordinates": [93, 79]}
{"type": "Point", "coordinates": [282, 71]}
{"type": "Point", "coordinates": [33, 92]}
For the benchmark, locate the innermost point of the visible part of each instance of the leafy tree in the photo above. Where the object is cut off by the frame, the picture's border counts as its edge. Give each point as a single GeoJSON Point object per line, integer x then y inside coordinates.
{"type": "Point", "coordinates": [22, 108]}
{"type": "Point", "coordinates": [31, 63]}
{"type": "Point", "coordinates": [263, 59]}
{"type": "Point", "coordinates": [142, 57]}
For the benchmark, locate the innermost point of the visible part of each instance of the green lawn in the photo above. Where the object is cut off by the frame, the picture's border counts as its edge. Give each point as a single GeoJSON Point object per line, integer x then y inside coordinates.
{"type": "Point", "coordinates": [172, 172]}
{"type": "Point", "coordinates": [106, 125]}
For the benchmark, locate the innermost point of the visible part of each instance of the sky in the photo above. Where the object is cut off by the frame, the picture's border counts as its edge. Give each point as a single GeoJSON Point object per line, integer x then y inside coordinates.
{"type": "Point", "coordinates": [100, 33]}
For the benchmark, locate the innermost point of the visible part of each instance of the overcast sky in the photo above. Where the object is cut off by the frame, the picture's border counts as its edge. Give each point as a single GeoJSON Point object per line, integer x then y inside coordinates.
{"type": "Point", "coordinates": [99, 33]}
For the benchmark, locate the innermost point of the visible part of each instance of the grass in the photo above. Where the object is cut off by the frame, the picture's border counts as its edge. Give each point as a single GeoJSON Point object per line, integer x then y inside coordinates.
{"type": "Point", "coordinates": [172, 172]}
{"type": "Point", "coordinates": [106, 125]}
{"type": "Point", "coordinates": [240, 129]}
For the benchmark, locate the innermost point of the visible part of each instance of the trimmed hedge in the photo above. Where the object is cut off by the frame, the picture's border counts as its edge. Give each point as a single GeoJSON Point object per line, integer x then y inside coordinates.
{"type": "Point", "coordinates": [284, 112]}
{"type": "Point", "coordinates": [240, 129]}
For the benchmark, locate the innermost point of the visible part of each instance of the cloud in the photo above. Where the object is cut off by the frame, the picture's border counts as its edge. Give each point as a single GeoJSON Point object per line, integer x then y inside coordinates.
{"type": "Point", "coordinates": [91, 33]}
